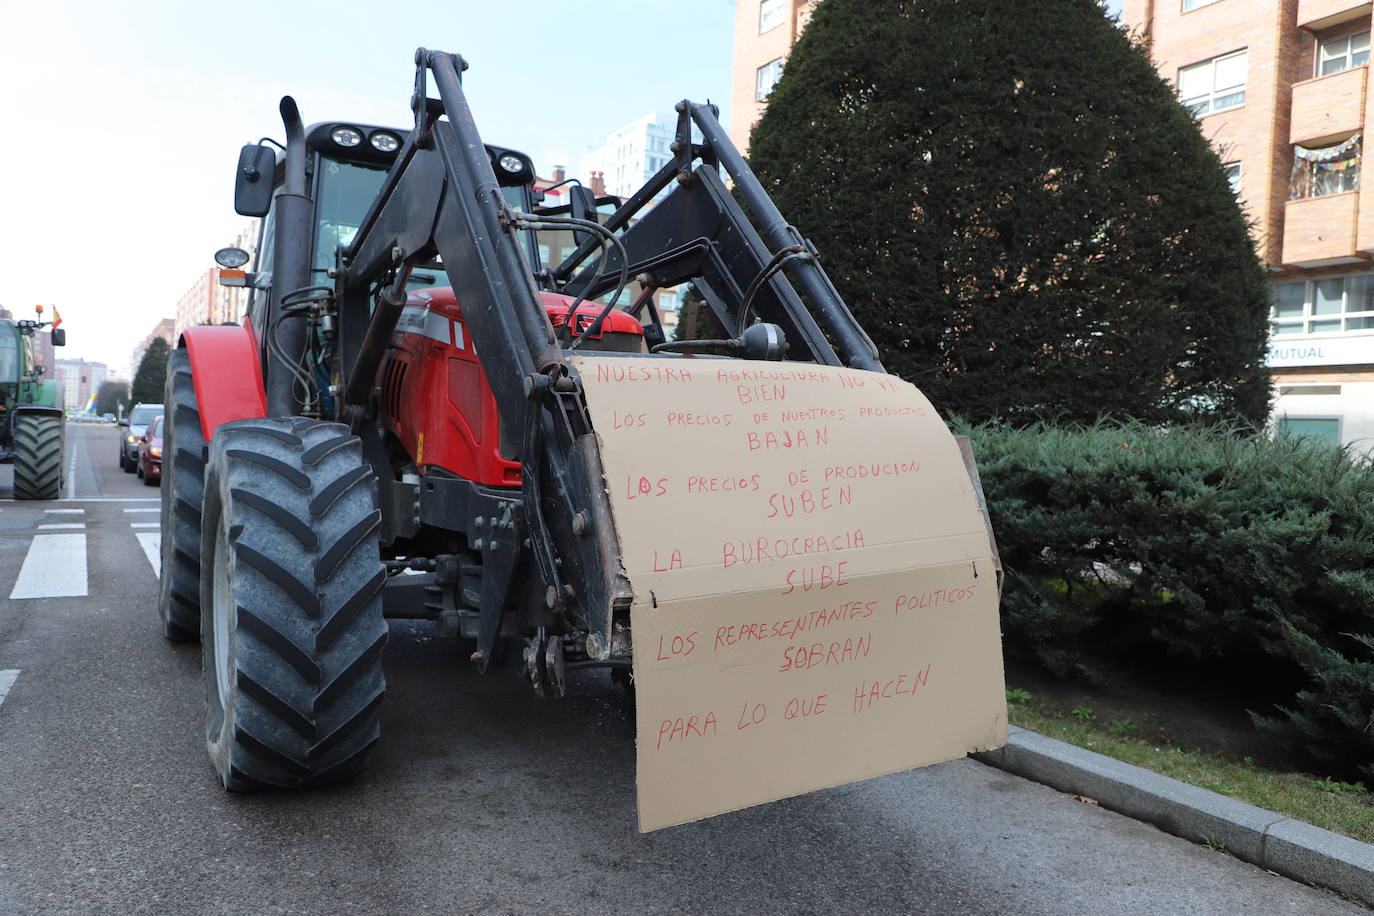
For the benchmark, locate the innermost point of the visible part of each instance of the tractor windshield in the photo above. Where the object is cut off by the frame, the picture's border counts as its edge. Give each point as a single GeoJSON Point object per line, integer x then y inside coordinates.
{"type": "Point", "coordinates": [345, 191]}
{"type": "Point", "coordinates": [9, 353]}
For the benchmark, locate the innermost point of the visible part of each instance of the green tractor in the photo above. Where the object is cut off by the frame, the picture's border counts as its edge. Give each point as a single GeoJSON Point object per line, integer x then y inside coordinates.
{"type": "Point", "coordinates": [31, 417]}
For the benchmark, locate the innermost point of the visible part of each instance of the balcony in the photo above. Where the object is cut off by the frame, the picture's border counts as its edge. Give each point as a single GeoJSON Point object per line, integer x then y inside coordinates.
{"type": "Point", "coordinates": [1328, 107]}
{"type": "Point", "coordinates": [1315, 15]}
{"type": "Point", "coordinates": [1320, 231]}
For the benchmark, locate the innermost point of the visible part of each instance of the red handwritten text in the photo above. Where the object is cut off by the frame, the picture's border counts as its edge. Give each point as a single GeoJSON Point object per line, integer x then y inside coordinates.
{"type": "Point", "coordinates": [865, 471]}
{"type": "Point", "coordinates": [809, 502]}
{"type": "Point", "coordinates": [761, 550]}
{"type": "Point", "coordinates": [799, 658]}
{"type": "Point", "coordinates": [790, 627]}
{"type": "Point", "coordinates": [933, 598]}
{"type": "Point", "coordinates": [722, 484]}
{"type": "Point", "coordinates": [682, 729]}
{"type": "Point", "coordinates": [817, 578]}
{"type": "Point", "coordinates": [869, 693]}
{"type": "Point", "coordinates": [677, 647]}
{"type": "Point", "coordinates": [753, 394]}
{"type": "Point", "coordinates": [647, 373]}
{"type": "Point", "coordinates": [789, 438]}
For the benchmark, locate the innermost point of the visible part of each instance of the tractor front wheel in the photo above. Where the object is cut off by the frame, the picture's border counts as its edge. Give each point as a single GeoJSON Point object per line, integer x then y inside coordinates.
{"type": "Point", "coordinates": [291, 629]}
{"type": "Point", "coordinates": [37, 456]}
{"type": "Point", "coordinates": [183, 492]}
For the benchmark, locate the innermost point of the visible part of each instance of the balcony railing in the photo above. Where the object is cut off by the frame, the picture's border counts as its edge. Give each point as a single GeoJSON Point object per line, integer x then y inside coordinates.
{"type": "Point", "coordinates": [1320, 231]}
{"type": "Point", "coordinates": [1328, 106]}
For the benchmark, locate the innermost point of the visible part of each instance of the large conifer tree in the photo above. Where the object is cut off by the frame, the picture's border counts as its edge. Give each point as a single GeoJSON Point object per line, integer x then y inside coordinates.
{"type": "Point", "coordinates": [1016, 206]}
{"type": "Point", "coordinates": [151, 374]}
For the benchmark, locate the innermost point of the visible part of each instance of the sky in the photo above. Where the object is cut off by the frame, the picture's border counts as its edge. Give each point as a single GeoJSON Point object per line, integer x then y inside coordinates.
{"type": "Point", "coordinates": [124, 119]}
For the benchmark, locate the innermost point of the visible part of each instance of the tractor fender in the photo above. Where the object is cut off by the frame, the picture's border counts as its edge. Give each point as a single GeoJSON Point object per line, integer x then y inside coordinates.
{"type": "Point", "coordinates": [38, 408]}
{"type": "Point", "coordinates": [226, 373]}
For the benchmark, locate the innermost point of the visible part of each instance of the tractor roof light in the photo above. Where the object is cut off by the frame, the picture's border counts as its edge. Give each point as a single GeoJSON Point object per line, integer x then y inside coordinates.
{"type": "Point", "coordinates": [346, 136]}
{"type": "Point", "coordinates": [384, 142]}
{"type": "Point", "coordinates": [511, 163]}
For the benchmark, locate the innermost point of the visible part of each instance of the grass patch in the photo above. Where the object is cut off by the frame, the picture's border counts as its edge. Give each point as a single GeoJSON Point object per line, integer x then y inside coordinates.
{"type": "Point", "coordinates": [1342, 807]}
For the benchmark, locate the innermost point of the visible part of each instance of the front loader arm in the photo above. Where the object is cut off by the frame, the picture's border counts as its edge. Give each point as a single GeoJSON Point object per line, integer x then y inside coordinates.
{"type": "Point", "coordinates": [442, 198]}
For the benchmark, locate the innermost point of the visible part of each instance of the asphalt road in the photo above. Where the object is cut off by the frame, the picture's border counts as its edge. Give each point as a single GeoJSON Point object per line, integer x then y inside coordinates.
{"type": "Point", "coordinates": [482, 798]}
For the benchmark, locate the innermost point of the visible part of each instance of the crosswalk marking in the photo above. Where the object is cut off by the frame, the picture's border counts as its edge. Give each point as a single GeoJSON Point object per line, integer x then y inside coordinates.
{"type": "Point", "coordinates": [54, 567]}
{"type": "Point", "coordinates": [7, 679]}
{"type": "Point", "coordinates": [67, 526]}
{"type": "Point", "coordinates": [145, 524]}
{"type": "Point", "coordinates": [143, 510]}
{"type": "Point", "coordinates": [151, 542]}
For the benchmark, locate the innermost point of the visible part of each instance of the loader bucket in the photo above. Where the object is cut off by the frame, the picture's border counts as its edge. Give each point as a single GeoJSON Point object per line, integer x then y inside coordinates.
{"type": "Point", "coordinates": [815, 597]}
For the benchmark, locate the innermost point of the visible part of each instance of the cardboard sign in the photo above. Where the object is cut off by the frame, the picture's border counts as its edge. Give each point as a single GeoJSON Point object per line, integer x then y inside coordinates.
{"type": "Point", "coordinates": [815, 597]}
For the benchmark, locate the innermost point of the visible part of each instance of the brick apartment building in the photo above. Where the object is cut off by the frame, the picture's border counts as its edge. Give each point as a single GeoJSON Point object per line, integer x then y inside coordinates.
{"type": "Point", "coordinates": [1280, 88]}
{"type": "Point", "coordinates": [765, 31]}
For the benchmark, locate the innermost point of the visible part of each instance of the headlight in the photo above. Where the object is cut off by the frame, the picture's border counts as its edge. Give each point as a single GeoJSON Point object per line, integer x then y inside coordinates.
{"type": "Point", "coordinates": [386, 143]}
{"type": "Point", "coordinates": [511, 163]}
{"type": "Point", "coordinates": [346, 136]}
{"type": "Point", "coordinates": [131, 438]}
{"type": "Point", "coordinates": [155, 451]}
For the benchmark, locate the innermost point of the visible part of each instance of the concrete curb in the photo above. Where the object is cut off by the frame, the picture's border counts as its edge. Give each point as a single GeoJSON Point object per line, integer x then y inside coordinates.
{"type": "Point", "coordinates": [1272, 841]}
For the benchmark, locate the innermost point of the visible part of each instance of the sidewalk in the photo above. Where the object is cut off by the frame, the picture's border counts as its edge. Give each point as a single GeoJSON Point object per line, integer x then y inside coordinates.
{"type": "Point", "coordinates": [1280, 844]}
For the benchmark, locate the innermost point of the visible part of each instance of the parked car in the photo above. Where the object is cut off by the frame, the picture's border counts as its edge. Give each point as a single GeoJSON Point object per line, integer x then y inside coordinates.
{"type": "Point", "coordinates": [150, 453]}
{"type": "Point", "coordinates": [134, 428]}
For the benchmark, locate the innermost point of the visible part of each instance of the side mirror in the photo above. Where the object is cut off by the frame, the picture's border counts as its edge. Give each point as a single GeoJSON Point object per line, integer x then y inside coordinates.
{"type": "Point", "coordinates": [253, 180]}
{"type": "Point", "coordinates": [124, 422]}
{"type": "Point", "coordinates": [59, 337]}
{"type": "Point", "coordinates": [582, 203]}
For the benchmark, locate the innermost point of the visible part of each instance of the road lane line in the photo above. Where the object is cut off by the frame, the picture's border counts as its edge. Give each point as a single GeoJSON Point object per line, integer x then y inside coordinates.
{"type": "Point", "coordinates": [110, 499]}
{"type": "Point", "coordinates": [64, 511]}
{"type": "Point", "coordinates": [145, 524]}
{"type": "Point", "coordinates": [7, 679]}
{"type": "Point", "coordinates": [54, 567]}
{"type": "Point", "coordinates": [68, 526]}
{"type": "Point", "coordinates": [151, 542]}
{"type": "Point", "coordinates": [71, 472]}
{"type": "Point", "coordinates": [135, 510]}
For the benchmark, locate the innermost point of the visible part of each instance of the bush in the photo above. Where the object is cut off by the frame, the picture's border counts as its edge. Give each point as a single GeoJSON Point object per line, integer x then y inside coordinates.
{"type": "Point", "coordinates": [1199, 544]}
{"type": "Point", "coordinates": [1013, 202]}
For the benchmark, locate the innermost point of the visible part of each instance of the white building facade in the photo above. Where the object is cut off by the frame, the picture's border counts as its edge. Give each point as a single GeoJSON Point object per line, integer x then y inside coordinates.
{"type": "Point", "coordinates": [632, 153]}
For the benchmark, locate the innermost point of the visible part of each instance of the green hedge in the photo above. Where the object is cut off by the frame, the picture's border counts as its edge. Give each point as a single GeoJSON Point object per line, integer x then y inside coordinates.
{"type": "Point", "coordinates": [1194, 544]}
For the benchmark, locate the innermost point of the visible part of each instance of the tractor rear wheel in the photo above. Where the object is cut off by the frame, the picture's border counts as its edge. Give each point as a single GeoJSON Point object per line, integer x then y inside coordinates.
{"type": "Point", "coordinates": [292, 629]}
{"type": "Point", "coordinates": [37, 456]}
{"type": "Point", "coordinates": [183, 492]}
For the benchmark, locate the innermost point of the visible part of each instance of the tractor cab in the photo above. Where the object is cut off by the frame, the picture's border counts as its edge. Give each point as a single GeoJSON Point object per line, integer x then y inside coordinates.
{"type": "Point", "coordinates": [346, 168]}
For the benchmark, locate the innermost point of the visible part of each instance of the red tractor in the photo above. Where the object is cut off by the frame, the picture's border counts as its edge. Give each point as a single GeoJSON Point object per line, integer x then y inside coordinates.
{"type": "Point", "coordinates": [396, 430]}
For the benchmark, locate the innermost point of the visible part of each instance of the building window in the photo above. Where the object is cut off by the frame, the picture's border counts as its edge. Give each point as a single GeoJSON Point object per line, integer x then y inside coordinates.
{"type": "Point", "coordinates": [771, 14]}
{"type": "Point", "coordinates": [768, 77]}
{"type": "Point", "coordinates": [1190, 5]}
{"type": "Point", "coordinates": [1232, 172]}
{"type": "Point", "coordinates": [1323, 429]}
{"type": "Point", "coordinates": [1330, 305]}
{"type": "Point", "coordinates": [1337, 54]}
{"type": "Point", "coordinates": [1214, 85]}
{"type": "Point", "coordinates": [1329, 170]}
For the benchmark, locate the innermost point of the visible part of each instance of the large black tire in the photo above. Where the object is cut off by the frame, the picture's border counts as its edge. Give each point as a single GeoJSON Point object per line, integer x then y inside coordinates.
{"type": "Point", "coordinates": [292, 633]}
{"type": "Point", "coordinates": [37, 456]}
{"type": "Point", "coordinates": [183, 493]}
